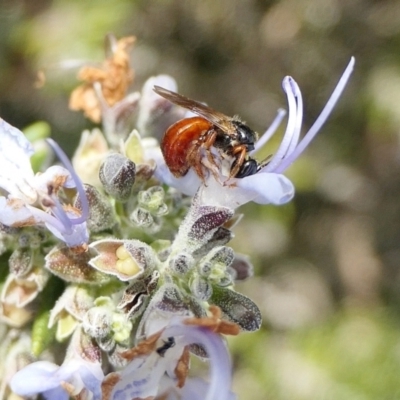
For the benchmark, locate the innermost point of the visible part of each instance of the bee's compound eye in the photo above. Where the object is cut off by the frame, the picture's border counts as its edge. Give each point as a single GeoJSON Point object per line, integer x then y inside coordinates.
{"type": "Point", "coordinates": [249, 167]}
{"type": "Point", "coordinates": [245, 134]}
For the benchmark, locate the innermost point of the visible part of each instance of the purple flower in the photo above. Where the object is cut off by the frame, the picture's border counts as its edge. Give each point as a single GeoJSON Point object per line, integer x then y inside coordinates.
{"type": "Point", "coordinates": [33, 199]}
{"type": "Point", "coordinates": [75, 376]}
{"type": "Point", "coordinates": [154, 373]}
{"type": "Point", "coordinates": [47, 378]}
{"type": "Point", "coordinates": [269, 185]}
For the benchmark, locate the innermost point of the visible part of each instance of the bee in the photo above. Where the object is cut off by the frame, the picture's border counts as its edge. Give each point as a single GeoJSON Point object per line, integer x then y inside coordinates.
{"type": "Point", "coordinates": [170, 342]}
{"type": "Point", "coordinates": [186, 141]}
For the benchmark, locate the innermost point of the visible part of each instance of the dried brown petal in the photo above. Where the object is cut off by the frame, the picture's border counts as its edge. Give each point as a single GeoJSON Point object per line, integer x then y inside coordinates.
{"type": "Point", "coordinates": [145, 347]}
{"type": "Point", "coordinates": [182, 368]}
{"type": "Point", "coordinates": [114, 77]}
{"type": "Point", "coordinates": [215, 323]}
{"type": "Point", "coordinates": [108, 384]}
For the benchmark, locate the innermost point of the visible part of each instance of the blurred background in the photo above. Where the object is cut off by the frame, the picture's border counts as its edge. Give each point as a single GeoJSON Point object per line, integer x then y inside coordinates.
{"type": "Point", "coordinates": [327, 266]}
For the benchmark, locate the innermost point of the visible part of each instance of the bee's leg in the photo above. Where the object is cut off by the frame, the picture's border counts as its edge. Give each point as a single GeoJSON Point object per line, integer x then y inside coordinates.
{"type": "Point", "coordinates": [208, 143]}
{"type": "Point", "coordinates": [240, 153]}
{"type": "Point", "coordinates": [194, 156]}
{"type": "Point", "coordinates": [209, 163]}
{"type": "Point", "coordinates": [212, 167]}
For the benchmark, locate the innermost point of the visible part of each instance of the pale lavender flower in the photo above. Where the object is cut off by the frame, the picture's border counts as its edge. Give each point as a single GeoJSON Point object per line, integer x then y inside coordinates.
{"type": "Point", "coordinates": [77, 374]}
{"type": "Point", "coordinates": [46, 378]}
{"type": "Point", "coordinates": [154, 374]}
{"type": "Point", "coordinates": [31, 199]}
{"type": "Point", "coordinates": [269, 185]}
{"type": "Point", "coordinates": [155, 113]}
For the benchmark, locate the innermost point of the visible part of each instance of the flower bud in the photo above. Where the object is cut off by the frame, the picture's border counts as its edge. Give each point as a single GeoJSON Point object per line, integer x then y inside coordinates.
{"type": "Point", "coordinates": [181, 263]}
{"type": "Point", "coordinates": [218, 258]}
{"type": "Point", "coordinates": [153, 200]}
{"type": "Point", "coordinates": [214, 265]}
{"type": "Point", "coordinates": [201, 288]}
{"type": "Point", "coordinates": [145, 171]}
{"type": "Point", "coordinates": [141, 217]}
{"type": "Point", "coordinates": [220, 237]}
{"type": "Point", "coordinates": [225, 280]}
{"type": "Point", "coordinates": [241, 268]}
{"type": "Point", "coordinates": [121, 328]}
{"type": "Point", "coordinates": [117, 174]}
{"type": "Point", "coordinates": [200, 226]}
{"type": "Point", "coordinates": [97, 322]}
{"type": "Point", "coordinates": [101, 212]}
{"type": "Point", "coordinates": [21, 261]}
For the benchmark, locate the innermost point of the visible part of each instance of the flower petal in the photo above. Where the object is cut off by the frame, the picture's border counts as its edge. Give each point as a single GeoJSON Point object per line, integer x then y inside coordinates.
{"type": "Point", "coordinates": [269, 188]}
{"type": "Point", "coordinates": [14, 212]}
{"type": "Point", "coordinates": [15, 167]}
{"type": "Point", "coordinates": [36, 378]}
{"type": "Point", "coordinates": [46, 378]}
{"type": "Point", "coordinates": [156, 114]}
{"type": "Point", "coordinates": [262, 188]}
{"type": "Point", "coordinates": [187, 184]}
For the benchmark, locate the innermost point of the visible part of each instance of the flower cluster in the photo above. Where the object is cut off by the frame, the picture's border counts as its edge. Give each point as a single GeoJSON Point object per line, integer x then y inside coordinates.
{"type": "Point", "coordinates": [119, 271]}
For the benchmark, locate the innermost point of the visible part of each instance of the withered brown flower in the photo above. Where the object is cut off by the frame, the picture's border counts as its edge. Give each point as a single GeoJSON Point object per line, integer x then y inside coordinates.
{"type": "Point", "coordinates": [114, 77]}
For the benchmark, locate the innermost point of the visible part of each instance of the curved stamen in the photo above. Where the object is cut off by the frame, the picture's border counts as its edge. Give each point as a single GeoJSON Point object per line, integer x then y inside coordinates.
{"type": "Point", "coordinates": [78, 184]}
{"type": "Point", "coordinates": [270, 131]}
{"type": "Point", "coordinates": [297, 129]}
{"type": "Point", "coordinates": [320, 120]}
{"type": "Point", "coordinates": [61, 215]}
{"type": "Point", "coordinates": [291, 126]}
{"type": "Point", "coordinates": [47, 218]}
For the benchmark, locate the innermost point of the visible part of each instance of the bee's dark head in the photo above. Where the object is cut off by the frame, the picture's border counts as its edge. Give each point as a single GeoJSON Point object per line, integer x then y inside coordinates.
{"type": "Point", "coordinates": [245, 135]}
{"type": "Point", "coordinates": [249, 167]}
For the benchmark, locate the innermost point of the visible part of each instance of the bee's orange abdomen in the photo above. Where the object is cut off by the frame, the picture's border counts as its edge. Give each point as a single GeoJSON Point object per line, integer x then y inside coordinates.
{"type": "Point", "coordinates": [179, 140]}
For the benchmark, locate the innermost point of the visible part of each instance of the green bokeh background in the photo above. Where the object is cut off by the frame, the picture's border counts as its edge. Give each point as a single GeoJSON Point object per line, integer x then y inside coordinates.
{"type": "Point", "coordinates": [328, 264]}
